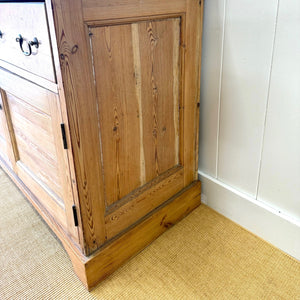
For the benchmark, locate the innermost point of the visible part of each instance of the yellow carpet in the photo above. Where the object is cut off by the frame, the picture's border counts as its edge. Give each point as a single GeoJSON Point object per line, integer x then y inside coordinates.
{"type": "Point", "coordinates": [205, 256]}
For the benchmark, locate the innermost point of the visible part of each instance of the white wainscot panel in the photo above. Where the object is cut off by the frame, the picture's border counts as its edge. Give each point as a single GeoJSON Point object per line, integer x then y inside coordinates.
{"type": "Point", "coordinates": [280, 173]}
{"type": "Point", "coordinates": [248, 45]}
{"type": "Point", "coordinates": [210, 82]}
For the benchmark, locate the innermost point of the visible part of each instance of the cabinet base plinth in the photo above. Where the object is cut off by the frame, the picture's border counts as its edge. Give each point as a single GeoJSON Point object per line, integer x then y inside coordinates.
{"type": "Point", "coordinates": [95, 268]}
{"type": "Point", "coordinates": [92, 269]}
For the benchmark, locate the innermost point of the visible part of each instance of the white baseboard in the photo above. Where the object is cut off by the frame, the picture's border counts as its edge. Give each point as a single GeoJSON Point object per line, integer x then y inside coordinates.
{"type": "Point", "coordinates": [269, 223]}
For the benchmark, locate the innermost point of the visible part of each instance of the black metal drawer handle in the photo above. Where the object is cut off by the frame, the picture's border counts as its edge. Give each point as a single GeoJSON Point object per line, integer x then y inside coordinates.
{"type": "Point", "coordinates": [1, 34]}
{"type": "Point", "coordinates": [35, 43]}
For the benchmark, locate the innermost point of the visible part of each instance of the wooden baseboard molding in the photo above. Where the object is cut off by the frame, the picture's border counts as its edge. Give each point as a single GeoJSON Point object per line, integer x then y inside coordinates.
{"type": "Point", "coordinates": [265, 221]}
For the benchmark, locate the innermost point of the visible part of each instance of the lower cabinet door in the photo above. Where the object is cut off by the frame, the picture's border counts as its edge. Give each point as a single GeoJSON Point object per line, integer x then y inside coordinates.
{"type": "Point", "coordinates": [34, 119]}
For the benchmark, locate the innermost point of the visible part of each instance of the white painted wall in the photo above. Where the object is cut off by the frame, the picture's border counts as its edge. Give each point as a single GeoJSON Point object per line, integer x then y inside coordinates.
{"type": "Point", "coordinates": [249, 154]}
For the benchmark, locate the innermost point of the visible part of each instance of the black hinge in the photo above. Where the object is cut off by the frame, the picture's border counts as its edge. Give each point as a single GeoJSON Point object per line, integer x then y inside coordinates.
{"type": "Point", "coordinates": [63, 133]}
{"type": "Point", "coordinates": [75, 215]}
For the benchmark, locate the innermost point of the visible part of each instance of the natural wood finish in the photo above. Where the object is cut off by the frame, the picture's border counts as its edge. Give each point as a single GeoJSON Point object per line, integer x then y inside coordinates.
{"type": "Point", "coordinates": [33, 119]}
{"type": "Point", "coordinates": [70, 188]}
{"type": "Point", "coordinates": [29, 20]}
{"type": "Point", "coordinates": [159, 50]}
{"type": "Point", "coordinates": [70, 245]}
{"type": "Point", "coordinates": [119, 113]}
{"type": "Point", "coordinates": [76, 68]}
{"type": "Point", "coordinates": [116, 9]}
{"type": "Point", "coordinates": [139, 113]}
{"type": "Point", "coordinates": [198, 70]}
{"type": "Point", "coordinates": [34, 137]}
{"type": "Point", "coordinates": [125, 87]}
{"type": "Point", "coordinates": [6, 149]}
{"type": "Point", "coordinates": [192, 42]}
{"type": "Point", "coordinates": [12, 149]}
{"type": "Point", "coordinates": [142, 201]}
{"type": "Point", "coordinates": [49, 85]}
{"type": "Point", "coordinates": [108, 259]}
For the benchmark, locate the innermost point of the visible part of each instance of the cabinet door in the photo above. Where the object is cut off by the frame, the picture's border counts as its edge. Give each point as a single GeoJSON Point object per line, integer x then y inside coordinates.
{"type": "Point", "coordinates": [139, 61]}
{"type": "Point", "coordinates": [34, 119]}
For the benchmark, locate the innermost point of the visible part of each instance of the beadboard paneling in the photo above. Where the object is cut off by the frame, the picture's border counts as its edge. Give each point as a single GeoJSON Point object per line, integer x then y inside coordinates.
{"type": "Point", "coordinates": [248, 44]}
{"type": "Point", "coordinates": [210, 82]}
{"type": "Point", "coordinates": [280, 173]}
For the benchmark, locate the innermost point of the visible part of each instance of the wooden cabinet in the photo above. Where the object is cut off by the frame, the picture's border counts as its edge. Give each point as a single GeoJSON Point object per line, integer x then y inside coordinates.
{"type": "Point", "coordinates": [99, 123]}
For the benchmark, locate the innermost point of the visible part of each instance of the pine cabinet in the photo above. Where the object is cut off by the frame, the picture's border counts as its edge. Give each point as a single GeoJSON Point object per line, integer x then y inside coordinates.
{"type": "Point", "coordinates": [99, 120]}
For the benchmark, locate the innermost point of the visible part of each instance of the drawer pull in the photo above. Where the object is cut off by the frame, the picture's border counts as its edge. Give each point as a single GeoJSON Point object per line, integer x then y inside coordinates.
{"type": "Point", "coordinates": [1, 34]}
{"type": "Point", "coordinates": [35, 43]}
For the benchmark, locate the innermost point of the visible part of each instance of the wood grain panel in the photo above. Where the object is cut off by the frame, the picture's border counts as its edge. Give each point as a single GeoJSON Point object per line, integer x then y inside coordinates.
{"type": "Point", "coordinates": [35, 142]}
{"type": "Point", "coordinates": [78, 81]}
{"type": "Point", "coordinates": [118, 109]}
{"type": "Point", "coordinates": [29, 92]}
{"type": "Point", "coordinates": [192, 63]}
{"type": "Point", "coordinates": [65, 161]}
{"type": "Point", "coordinates": [159, 52]}
{"type": "Point", "coordinates": [113, 9]}
{"type": "Point", "coordinates": [47, 199]}
{"type": "Point", "coordinates": [10, 151]}
{"type": "Point", "coordinates": [143, 201]}
{"type": "Point", "coordinates": [137, 77]}
{"type": "Point", "coordinates": [36, 125]}
{"type": "Point", "coordinates": [2, 126]}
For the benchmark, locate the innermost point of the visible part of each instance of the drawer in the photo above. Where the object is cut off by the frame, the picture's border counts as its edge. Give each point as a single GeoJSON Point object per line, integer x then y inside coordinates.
{"type": "Point", "coordinates": [30, 21]}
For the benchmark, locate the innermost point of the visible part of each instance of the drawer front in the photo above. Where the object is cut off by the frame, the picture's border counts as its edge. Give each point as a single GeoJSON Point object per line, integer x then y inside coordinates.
{"type": "Point", "coordinates": [30, 21]}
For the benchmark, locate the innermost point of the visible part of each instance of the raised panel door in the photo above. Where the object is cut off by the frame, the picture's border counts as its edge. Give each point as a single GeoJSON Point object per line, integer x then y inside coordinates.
{"type": "Point", "coordinates": [34, 122]}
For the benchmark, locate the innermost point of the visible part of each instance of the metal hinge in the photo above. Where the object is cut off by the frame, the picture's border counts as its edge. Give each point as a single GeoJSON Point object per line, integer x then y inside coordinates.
{"type": "Point", "coordinates": [63, 134]}
{"type": "Point", "coordinates": [75, 215]}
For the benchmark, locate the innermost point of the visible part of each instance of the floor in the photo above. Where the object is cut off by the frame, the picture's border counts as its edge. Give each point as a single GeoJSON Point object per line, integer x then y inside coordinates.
{"type": "Point", "coordinates": [205, 256]}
